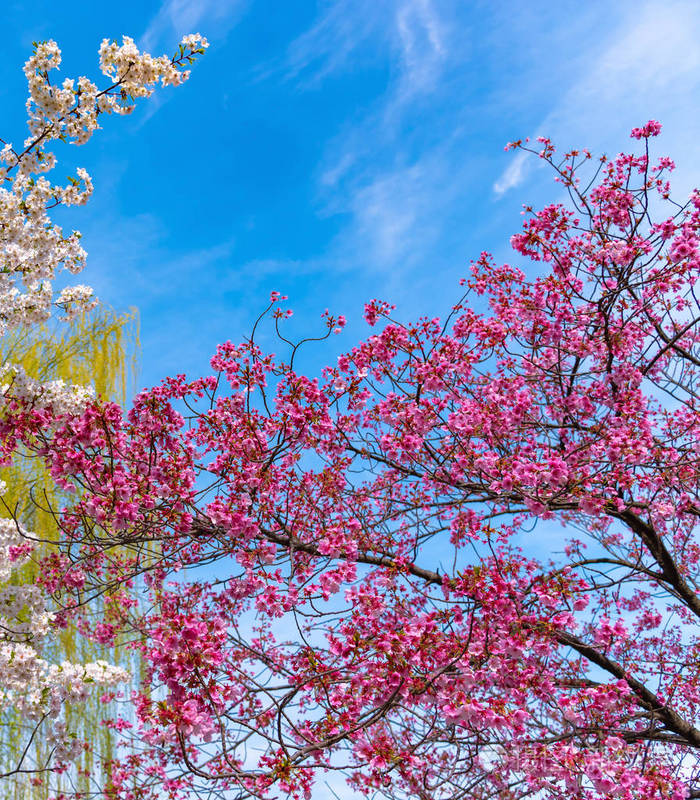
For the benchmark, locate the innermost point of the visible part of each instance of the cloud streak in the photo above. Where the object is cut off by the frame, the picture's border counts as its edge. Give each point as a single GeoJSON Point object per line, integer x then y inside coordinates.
{"type": "Point", "coordinates": [366, 173]}
{"type": "Point", "coordinates": [422, 36]}
{"type": "Point", "coordinates": [647, 67]}
{"type": "Point", "coordinates": [175, 18]}
{"type": "Point", "coordinates": [351, 32]}
{"type": "Point", "coordinates": [514, 174]}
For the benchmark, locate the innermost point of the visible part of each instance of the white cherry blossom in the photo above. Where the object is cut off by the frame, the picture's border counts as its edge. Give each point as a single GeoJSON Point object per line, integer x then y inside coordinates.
{"type": "Point", "coordinates": [34, 250]}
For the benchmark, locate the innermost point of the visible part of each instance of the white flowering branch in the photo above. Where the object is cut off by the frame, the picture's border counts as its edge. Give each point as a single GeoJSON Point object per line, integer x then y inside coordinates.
{"type": "Point", "coordinates": [33, 251]}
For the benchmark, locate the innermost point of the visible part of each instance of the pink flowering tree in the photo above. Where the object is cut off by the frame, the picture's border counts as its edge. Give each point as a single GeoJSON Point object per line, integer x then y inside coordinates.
{"type": "Point", "coordinates": [461, 563]}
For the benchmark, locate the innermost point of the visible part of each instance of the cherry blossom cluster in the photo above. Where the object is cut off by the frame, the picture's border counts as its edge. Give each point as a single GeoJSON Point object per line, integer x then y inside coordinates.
{"type": "Point", "coordinates": [57, 397]}
{"type": "Point", "coordinates": [29, 683]}
{"type": "Point", "coordinates": [33, 249]}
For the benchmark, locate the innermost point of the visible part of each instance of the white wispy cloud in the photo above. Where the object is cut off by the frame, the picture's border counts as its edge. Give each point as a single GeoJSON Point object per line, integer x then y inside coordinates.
{"type": "Point", "coordinates": [350, 30]}
{"type": "Point", "coordinates": [422, 36]}
{"type": "Point", "coordinates": [386, 194]}
{"type": "Point", "coordinates": [175, 18]}
{"type": "Point", "coordinates": [387, 213]}
{"type": "Point", "coordinates": [328, 44]}
{"type": "Point", "coordinates": [647, 66]}
{"type": "Point", "coordinates": [395, 213]}
{"type": "Point", "coordinates": [514, 173]}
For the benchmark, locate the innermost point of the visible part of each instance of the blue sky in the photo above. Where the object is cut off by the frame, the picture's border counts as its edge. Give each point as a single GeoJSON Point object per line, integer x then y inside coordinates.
{"type": "Point", "coordinates": [338, 151]}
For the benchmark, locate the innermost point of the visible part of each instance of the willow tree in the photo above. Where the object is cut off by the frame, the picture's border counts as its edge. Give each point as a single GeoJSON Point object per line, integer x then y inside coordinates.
{"type": "Point", "coordinates": [99, 349]}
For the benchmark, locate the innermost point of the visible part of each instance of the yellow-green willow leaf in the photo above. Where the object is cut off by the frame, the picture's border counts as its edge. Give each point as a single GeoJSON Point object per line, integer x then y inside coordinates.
{"type": "Point", "coordinates": [100, 350]}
